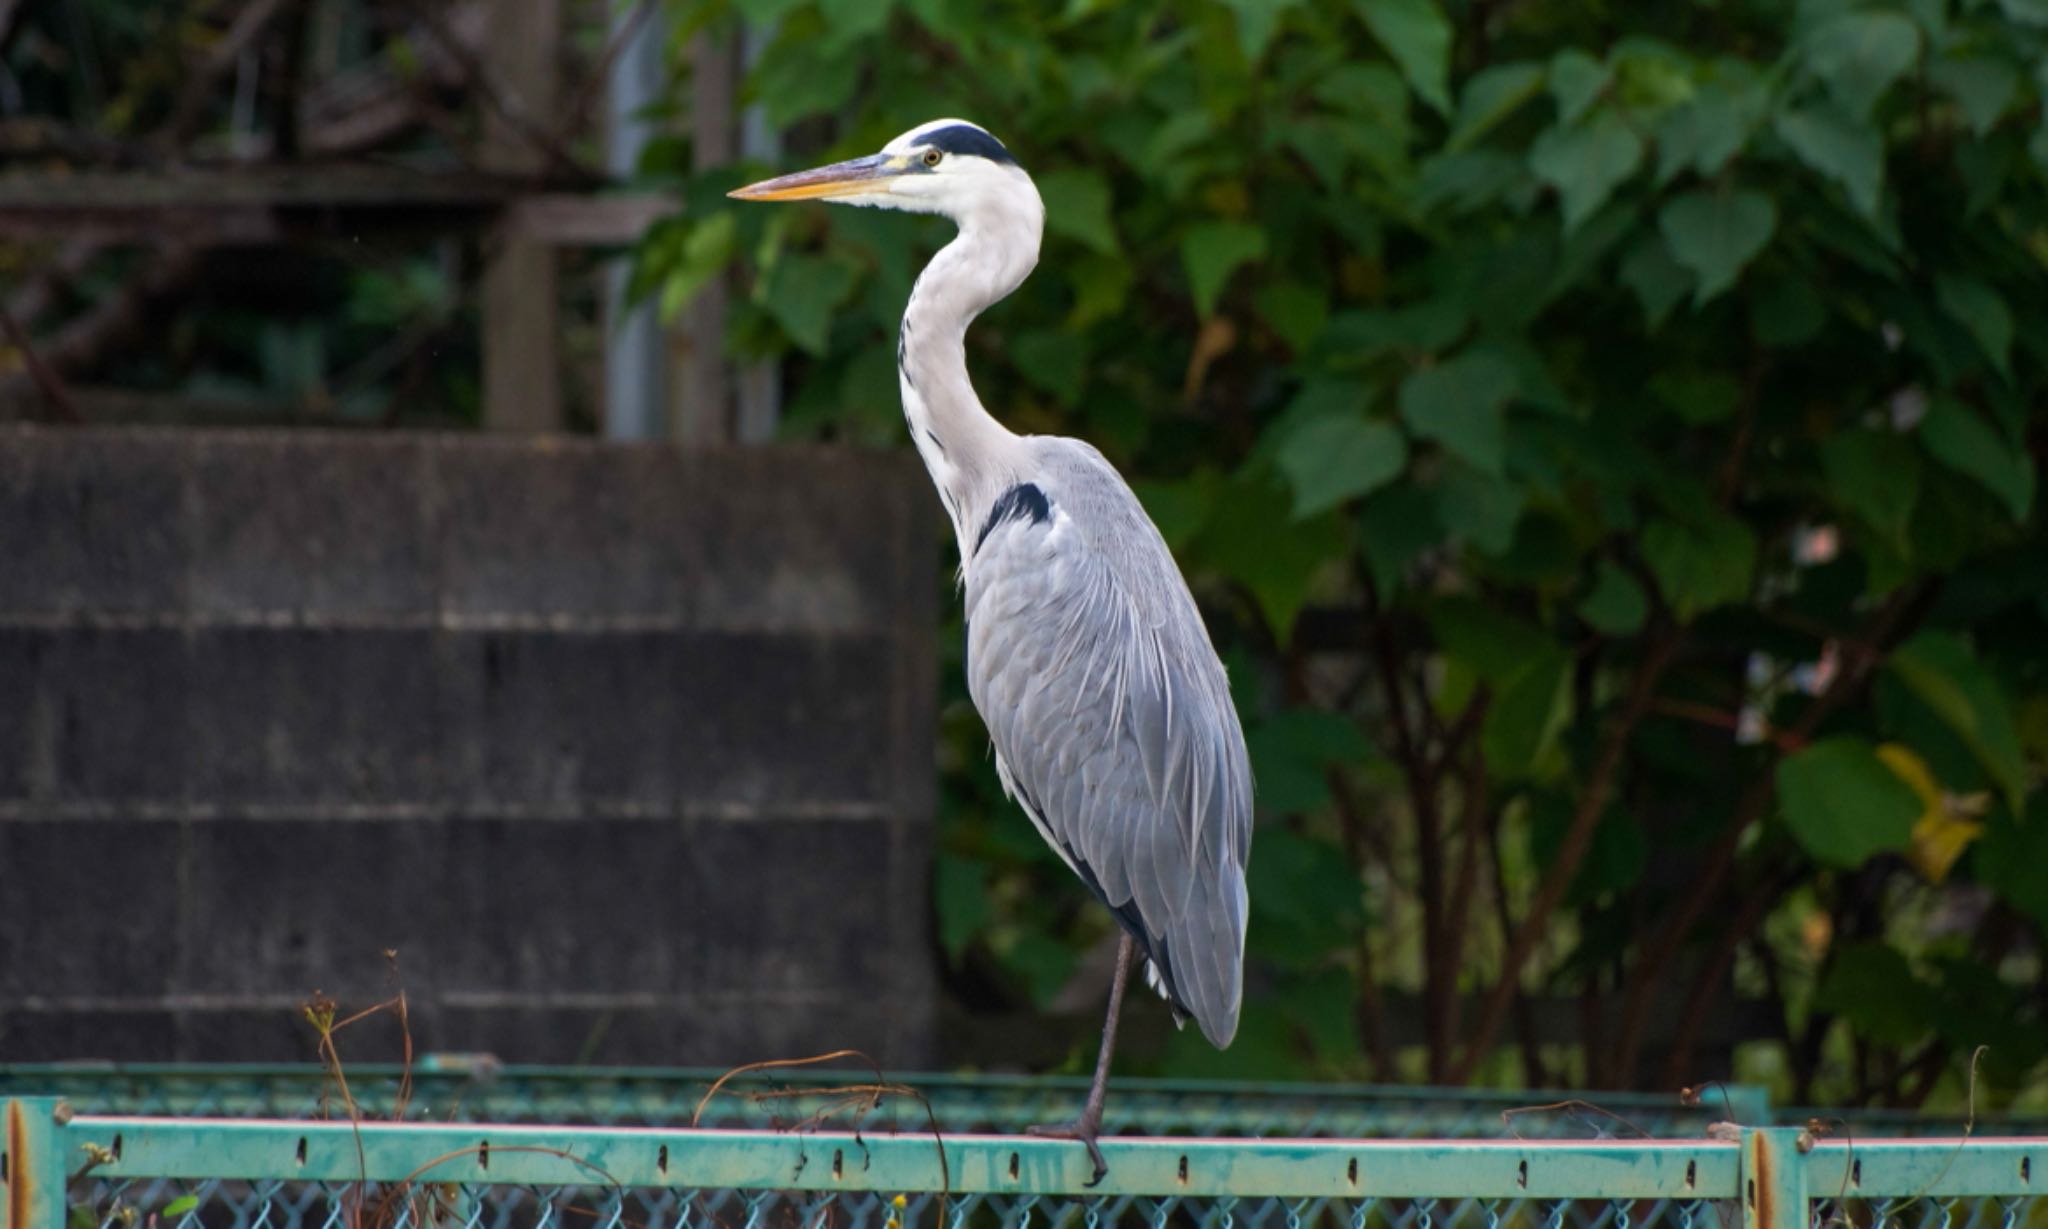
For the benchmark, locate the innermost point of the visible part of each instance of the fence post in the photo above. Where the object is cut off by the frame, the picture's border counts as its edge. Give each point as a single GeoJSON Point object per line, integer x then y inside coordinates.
{"type": "Point", "coordinates": [32, 1162]}
{"type": "Point", "coordinates": [1774, 1194]}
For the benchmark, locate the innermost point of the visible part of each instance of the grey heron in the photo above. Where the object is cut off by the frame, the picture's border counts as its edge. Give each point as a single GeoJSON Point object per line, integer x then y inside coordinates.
{"type": "Point", "coordinates": [1111, 717]}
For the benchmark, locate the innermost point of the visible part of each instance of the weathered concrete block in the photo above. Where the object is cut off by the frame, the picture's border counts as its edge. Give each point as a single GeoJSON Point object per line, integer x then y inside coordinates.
{"type": "Point", "coordinates": [800, 905]}
{"type": "Point", "coordinates": [565, 531]}
{"type": "Point", "coordinates": [626, 751]}
{"type": "Point", "coordinates": [34, 1034]}
{"type": "Point", "coordinates": [88, 908]}
{"type": "Point", "coordinates": [290, 523]}
{"type": "Point", "coordinates": [27, 756]}
{"type": "Point", "coordinates": [96, 529]}
{"type": "Point", "coordinates": [117, 703]}
{"type": "Point", "coordinates": [285, 908]}
{"type": "Point", "coordinates": [668, 721]}
{"type": "Point", "coordinates": [314, 717]}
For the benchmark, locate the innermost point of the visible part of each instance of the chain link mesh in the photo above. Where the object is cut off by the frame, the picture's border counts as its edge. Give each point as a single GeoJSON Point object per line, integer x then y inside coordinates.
{"type": "Point", "coordinates": [222, 1204]}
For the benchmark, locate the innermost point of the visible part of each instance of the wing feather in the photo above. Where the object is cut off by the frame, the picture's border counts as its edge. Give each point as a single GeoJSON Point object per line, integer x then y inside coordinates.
{"type": "Point", "coordinates": [1113, 723]}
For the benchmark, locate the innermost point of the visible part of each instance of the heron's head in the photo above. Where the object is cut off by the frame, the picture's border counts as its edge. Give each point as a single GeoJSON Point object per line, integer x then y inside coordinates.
{"type": "Point", "coordinates": [947, 166]}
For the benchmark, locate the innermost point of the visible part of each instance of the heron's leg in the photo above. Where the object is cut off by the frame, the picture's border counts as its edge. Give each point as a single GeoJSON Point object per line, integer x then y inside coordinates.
{"type": "Point", "coordinates": [1089, 1125]}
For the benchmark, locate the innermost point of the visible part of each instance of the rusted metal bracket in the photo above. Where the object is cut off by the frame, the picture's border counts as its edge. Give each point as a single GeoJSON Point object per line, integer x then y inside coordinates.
{"type": "Point", "coordinates": [32, 1161]}
{"type": "Point", "coordinates": [1773, 1177]}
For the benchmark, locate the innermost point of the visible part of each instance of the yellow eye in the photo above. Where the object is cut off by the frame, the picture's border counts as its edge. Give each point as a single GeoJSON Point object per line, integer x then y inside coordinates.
{"type": "Point", "coordinates": [932, 156]}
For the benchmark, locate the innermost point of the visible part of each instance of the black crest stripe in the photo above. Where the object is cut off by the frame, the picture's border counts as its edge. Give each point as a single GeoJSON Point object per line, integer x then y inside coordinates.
{"type": "Point", "coordinates": [967, 139]}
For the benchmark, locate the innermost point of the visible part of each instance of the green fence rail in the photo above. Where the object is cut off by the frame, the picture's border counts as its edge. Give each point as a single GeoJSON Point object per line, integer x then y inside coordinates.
{"type": "Point", "coordinates": [63, 1168]}
{"type": "Point", "coordinates": [477, 1088]}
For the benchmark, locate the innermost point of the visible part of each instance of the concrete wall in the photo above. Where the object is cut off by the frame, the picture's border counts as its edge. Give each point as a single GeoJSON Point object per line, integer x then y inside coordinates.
{"type": "Point", "coordinates": [627, 751]}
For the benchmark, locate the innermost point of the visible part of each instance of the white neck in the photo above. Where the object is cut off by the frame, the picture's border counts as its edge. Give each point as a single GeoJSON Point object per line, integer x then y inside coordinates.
{"type": "Point", "coordinates": [972, 457]}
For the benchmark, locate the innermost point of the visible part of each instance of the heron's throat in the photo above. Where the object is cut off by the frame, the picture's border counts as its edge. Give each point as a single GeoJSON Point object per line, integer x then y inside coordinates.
{"type": "Point", "coordinates": [968, 453]}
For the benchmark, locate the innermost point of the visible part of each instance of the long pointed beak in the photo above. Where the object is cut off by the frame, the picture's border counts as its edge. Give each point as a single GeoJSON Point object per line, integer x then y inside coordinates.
{"type": "Point", "coordinates": [840, 179]}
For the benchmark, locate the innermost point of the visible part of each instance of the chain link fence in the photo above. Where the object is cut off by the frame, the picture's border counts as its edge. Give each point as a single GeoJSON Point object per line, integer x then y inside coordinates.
{"type": "Point", "coordinates": [122, 1171]}
{"type": "Point", "coordinates": [479, 1089]}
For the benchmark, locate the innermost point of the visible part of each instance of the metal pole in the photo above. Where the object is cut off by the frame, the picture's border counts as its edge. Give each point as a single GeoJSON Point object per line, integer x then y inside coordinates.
{"type": "Point", "coordinates": [1773, 1178]}
{"type": "Point", "coordinates": [32, 1161]}
{"type": "Point", "coordinates": [634, 366]}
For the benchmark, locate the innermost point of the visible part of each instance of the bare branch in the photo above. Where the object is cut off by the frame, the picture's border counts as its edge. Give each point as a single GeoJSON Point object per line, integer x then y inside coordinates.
{"type": "Point", "coordinates": [46, 380]}
{"type": "Point", "coordinates": [1657, 953]}
{"type": "Point", "coordinates": [1578, 838]}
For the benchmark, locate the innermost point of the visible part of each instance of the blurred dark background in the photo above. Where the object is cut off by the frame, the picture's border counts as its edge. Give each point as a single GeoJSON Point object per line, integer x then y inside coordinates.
{"type": "Point", "coordinates": [1604, 441]}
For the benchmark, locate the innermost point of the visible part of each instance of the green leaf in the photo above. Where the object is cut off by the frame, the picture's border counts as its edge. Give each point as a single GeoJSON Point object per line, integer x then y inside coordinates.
{"type": "Point", "coordinates": [1077, 206]}
{"type": "Point", "coordinates": [1700, 565]}
{"type": "Point", "coordinates": [766, 12]}
{"type": "Point", "coordinates": [2012, 859]}
{"type": "Point", "coordinates": [1698, 397]}
{"type": "Point", "coordinates": [180, 1206]}
{"type": "Point", "coordinates": [1711, 127]}
{"type": "Point", "coordinates": [802, 292]}
{"type": "Point", "coordinates": [1045, 964]}
{"type": "Point", "coordinates": [847, 21]}
{"type": "Point", "coordinates": [1296, 311]}
{"type": "Point", "coordinates": [1714, 234]}
{"type": "Point", "coordinates": [1977, 307]}
{"type": "Point", "coordinates": [1493, 94]}
{"type": "Point", "coordinates": [1292, 750]}
{"type": "Point", "coordinates": [795, 83]}
{"type": "Point", "coordinates": [1616, 604]}
{"type": "Point", "coordinates": [1053, 360]}
{"type": "Point", "coordinates": [1658, 280]}
{"type": "Point", "coordinates": [1479, 508]}
{"type": "Point", "coordinates": [1586, 162]}
{"type": "Point", "coordinates": [1942, 670]}
{"type": "Point", "coordinates": [1860, 54]}
{"type": "Point", "coordinates": [1870, 985]}
{"type": "Point", "coordinates": [1490, 642]}
{"type": "Point", "coordinates": [1397, 523]}
{"type": "Point", "coordinates": [1253, 538]}
{"type": "Point", "coordinates": [1212, 251]}
{"type": "Point", "coordinates": [1462, 404]}
{"type": "Point", "coordinates": [1787, 312]}
{"type": "Point", "coordinates": [1982, 86]}
{"type": "Point", "coordinates": [1340, 457]}
{"type": "Point", "coordinates": [1256, 21]}
{"type": "Point", "coordinates": [1179, 509]}
{"type": "Point", "coordinates": [961, 900]}
{"type": "Point", "coordinates": [1614, 858]}
{"type": "Point", "coordinates": [1463, 183]}
{"type": "Point", "coordinates": [1309, 890]}
{"type": "Point", "coordinates": [1576, 79]}
{"type": "Point", "coordinates": [1418, 38]}
{"type": "Point", "coordinates": [1874, 475]}
{"type": "Point", "coordinates": [1528, 711]}
{"type": "Point", "coordinates": [1959, 438]}
{"type": "Point", "coordinates": [703, 251]}
{"type": "Point", "coordinates": [1842, 804]}
{"type": "Point", "coordinates": [1844, 149]}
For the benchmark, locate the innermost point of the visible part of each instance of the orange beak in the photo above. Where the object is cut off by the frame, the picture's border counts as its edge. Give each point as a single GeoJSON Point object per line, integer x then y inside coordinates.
{"type": "Point", "coordinates": [839, 179]}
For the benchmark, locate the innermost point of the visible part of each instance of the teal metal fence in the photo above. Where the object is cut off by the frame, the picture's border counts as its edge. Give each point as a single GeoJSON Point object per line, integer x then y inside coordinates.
{"type": "Point", "coordinates": [62, 1168]}
{"type": "Point", "coordinates": [458, 1087]}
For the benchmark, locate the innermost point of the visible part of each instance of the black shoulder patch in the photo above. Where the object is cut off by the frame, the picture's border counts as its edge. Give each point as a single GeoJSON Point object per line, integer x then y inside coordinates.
{"type": "Point", "coordinates": [967, 139]}
{"type": "Point", "coordinates": [1019, 502]}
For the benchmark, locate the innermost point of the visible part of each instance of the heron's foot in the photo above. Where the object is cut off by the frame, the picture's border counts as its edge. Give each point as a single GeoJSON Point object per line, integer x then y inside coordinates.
{"type": "Point", "coordinates": [1084, 1131]}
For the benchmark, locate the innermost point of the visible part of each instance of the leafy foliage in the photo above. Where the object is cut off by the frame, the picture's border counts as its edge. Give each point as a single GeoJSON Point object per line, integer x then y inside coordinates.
{"type": "Point", "coordinates": [1596, 436]}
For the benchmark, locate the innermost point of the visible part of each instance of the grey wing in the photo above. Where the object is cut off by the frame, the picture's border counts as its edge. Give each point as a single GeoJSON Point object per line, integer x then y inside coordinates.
{"type": "Point", "coordinates": [1113, 727]}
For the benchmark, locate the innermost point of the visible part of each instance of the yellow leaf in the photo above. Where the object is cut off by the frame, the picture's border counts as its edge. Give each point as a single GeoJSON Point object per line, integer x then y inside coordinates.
{"type": "Point", "coordinates": [1949, 823]}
